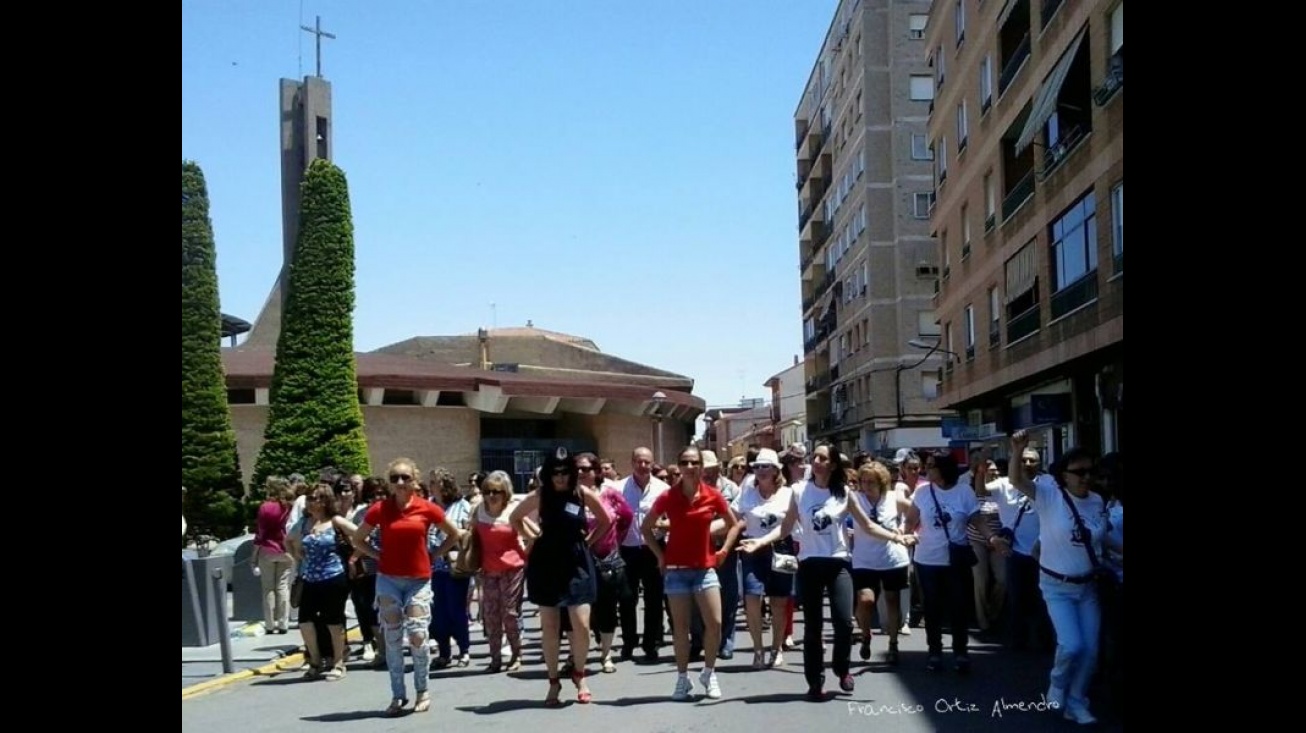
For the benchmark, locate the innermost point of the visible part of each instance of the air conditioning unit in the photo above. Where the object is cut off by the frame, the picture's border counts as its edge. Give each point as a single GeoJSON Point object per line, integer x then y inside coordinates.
{"type": "Point", "coordinates": [915, 35]}
{"type": "Point", "coordinates": [927, 271]}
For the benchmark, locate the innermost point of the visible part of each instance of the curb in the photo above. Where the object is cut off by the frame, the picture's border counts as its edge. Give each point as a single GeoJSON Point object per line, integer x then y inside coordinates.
{"type": "Point", "coordinates": [288, 663]}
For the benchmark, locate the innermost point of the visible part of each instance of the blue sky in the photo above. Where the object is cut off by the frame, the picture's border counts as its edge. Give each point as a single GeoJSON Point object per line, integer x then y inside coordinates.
{"type": "Point", "coordinates": [618, 170]}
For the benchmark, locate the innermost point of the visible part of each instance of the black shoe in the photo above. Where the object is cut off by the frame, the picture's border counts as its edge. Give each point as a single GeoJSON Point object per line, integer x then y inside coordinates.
{"type": "Point", "coordinates": [962, 664]}
{"type": "Point", "coordinates": [627, 655]}
{"type": "Point", "coordinates": [651, 657]}
{"type": "Point", "coordinates": [816, 693]}
{"type": "Point", "coordinates": [891, 656]}
{"type": "Point", "coordinates": [725, 655]}
{"type": "Point", "coordinates": [934, 663]}
{"type": "Point", "coordinates": [865, 652]}
{"type": "Point", "coordinates": [846, 683]}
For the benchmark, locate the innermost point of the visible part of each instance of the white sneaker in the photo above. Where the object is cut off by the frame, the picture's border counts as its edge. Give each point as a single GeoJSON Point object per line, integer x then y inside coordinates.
{"type": "Point", "coordinates": [1078, 712]}
{"type": "Point", "coordinates": [683, 688]}
{"type": "Point", "coordinates": [708, 678]}
{"type": "Point", "coordinates": [369, 654]}
{"type": "Point", "coordinates": [1056, 697]}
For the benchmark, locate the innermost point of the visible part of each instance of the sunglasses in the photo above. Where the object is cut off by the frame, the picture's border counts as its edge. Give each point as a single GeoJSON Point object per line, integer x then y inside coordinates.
{"type": "Point", "coordinates": [561, 472]}
{"type": "Point", "coordinates": [691, 463]}
{"type": "Point", "coordinates": [494, 492]}
{"type": "Point", "coordinates": [400, 478]}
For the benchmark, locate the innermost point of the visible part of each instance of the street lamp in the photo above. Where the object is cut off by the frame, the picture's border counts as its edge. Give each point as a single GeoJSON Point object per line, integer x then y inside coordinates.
{"type": "Point", "coordinates": [659, 398]}
{"type": "Point", "coordinates": [931, 349]}
{"type": "Point", "coordinates": [707, 432]}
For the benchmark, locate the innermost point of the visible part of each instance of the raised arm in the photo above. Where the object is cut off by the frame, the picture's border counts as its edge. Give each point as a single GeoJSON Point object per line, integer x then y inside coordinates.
{"type": "Point", "coordinates": [1016, 470]}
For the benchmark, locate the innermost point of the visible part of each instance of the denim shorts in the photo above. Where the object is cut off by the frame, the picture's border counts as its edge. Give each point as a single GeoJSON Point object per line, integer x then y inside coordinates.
{"type": "Point", "coordinates": [687, 581]}
{"type": "Point", "coordinates": [761, 580]}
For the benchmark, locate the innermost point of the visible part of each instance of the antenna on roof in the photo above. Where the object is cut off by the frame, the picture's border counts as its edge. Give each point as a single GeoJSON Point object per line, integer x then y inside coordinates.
{"type": "Point", "coordinates": [530, 323]}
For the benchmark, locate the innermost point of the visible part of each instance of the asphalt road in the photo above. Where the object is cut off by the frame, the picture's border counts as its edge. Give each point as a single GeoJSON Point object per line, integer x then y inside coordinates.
{"type": "Point", "coordinates": [637, 697]}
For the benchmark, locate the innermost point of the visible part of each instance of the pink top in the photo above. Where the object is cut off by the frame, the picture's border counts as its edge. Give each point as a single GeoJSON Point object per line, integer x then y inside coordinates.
{"type": "Point", "coordinates": [620, 516]}
{"type": "Point", "coordinates": [501, 552]}
{"type": "Point", "coordinates": [270, 527]}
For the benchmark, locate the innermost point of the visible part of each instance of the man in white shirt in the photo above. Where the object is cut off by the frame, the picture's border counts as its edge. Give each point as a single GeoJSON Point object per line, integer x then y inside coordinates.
{"type": "Point", "coordinates": [640, 489]}
{"type": "Point", "coordinates": [1027, 617]}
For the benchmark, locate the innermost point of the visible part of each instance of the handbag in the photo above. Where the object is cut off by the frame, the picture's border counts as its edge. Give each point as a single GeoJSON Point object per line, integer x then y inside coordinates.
{"type": "Point", "coordinates": [611, 568]}
{"type": "Point", "coordinates": [468, 562]}
{"type": "Point", "coordinates": [959, 556]}
{"type": "Point", "coordinates": [1103, 577]}
{"type": "Point", "coordinates": [783, 563]}
{"type": "Point", "coordinates": [296, 592]}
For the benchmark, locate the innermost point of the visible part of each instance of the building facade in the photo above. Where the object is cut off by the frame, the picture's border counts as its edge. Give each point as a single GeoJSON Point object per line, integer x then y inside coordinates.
{"type": "Point", "coordinates": [868, 263]}
{"type": "Point", "coordinates": [789, 404]}
{"type": "Point", "coordinates": [1027, 128]}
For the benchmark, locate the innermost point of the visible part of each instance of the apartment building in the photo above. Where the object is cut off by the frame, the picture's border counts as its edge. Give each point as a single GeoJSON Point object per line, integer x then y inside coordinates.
{"type": "Point", "coordinates": [868, 263]}
{"type": "Point", "coordinates": [1027, 128]}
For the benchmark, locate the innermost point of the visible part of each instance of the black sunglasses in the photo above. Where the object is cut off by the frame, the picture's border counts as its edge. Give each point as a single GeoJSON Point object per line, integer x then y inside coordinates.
{"type": "Point", "coordinates": [400, 478]}
{"type": "Point", "coordinates": [691, 463]}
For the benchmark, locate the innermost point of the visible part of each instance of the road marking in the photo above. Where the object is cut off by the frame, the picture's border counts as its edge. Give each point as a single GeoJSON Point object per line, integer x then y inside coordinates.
{"type": "Point", "coordinates": [288, 663]}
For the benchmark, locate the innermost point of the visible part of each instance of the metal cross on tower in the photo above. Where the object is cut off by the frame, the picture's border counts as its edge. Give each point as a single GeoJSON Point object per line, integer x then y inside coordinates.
{"type": "Point", "coordinates": [319, 33]}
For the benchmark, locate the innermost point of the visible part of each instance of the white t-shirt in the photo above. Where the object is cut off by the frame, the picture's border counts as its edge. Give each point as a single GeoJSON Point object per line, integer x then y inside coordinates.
{"type": "Point", "coordinates": [821, 515]}
{"type": "Point", "coordinates": [641, 503]}
{"type": "Point", "coordinates": [296, 512]}
{"type": "Point", "coordinates": [1062, 550]}
{"type": "Point", "coordinates": [1014, 507]}
{"type": "Point", "coordinates": [873, 553]}
{"type": "Point", "coordinates": [762, 515]}
{"type": "Point", "coordinates": [956, 505]}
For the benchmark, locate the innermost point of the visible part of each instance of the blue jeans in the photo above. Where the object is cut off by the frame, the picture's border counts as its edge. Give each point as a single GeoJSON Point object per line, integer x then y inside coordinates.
{"type": "Point", "coordinates": [449, 617]}
{"type": "Point", "coordinates": [404, 609]}
{"type": "Point", "coordinates": [1077, 619]}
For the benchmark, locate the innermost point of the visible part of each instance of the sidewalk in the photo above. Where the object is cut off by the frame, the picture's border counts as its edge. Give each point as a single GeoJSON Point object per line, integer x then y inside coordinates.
{"type": "Point", "coordinates": [252, 651]}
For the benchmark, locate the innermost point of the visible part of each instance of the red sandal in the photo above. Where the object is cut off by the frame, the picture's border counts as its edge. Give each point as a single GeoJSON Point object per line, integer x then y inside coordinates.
{"type": "Point", "coordinates": [582, 696]}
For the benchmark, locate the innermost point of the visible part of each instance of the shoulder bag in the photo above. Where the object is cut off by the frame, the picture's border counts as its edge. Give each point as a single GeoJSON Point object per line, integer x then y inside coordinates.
{"type": "Point", "coordinates": [1103, 577]}
{"type": "Point", "coordinates": [959, 556]}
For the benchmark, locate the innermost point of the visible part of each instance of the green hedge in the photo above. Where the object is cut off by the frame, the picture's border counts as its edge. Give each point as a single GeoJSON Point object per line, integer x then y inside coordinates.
{"type": "Point", "coordinates": [210, 467]}
{"type": "Point", "coordinates": [314, 417]}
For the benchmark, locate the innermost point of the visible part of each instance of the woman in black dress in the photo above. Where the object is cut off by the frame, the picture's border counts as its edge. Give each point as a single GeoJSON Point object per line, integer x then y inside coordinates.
{"type": "Point", "coordinates": [560, 569]}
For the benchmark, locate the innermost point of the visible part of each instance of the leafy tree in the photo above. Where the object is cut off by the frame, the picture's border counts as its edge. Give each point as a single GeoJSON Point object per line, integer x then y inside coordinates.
{"type": "Point", "coordinates": [314, 418]}
{"type": "Point", "coordinates": [210, 465]}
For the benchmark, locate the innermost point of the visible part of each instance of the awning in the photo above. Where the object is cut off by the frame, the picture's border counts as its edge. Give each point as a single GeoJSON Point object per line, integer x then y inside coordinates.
{"type": "Point", "coordinates": [1020, 272]}
{"type": "Point", "coordinates": [1046, 101]}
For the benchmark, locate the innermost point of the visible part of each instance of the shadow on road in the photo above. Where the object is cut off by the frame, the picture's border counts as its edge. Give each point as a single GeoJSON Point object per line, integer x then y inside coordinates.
{"type": "Point", "coordinates": [344, 717]}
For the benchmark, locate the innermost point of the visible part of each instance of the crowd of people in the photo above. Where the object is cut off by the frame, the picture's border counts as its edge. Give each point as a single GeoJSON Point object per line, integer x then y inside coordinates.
{"type": "Point", "coordinates": [1029, 555]}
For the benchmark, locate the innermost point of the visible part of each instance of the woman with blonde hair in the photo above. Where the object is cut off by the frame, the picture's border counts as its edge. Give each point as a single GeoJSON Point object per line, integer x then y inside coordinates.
{"type": "Point", "coordinates": [503, 568]}
{"type": "Point", "coordinates": [403, 579]}
{"type": "Point", "coordinates": [880, 556]}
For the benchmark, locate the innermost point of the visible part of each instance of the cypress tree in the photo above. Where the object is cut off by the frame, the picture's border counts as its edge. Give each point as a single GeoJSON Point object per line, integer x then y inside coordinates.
{"type": "Point", "coordinates": [314, 419]}
{"type": "Point", "coordinates": [210, 466]}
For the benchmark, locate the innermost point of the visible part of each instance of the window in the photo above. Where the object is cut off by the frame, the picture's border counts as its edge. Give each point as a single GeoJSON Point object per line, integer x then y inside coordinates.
{"type": "Point", "coordinates": [920, 148]}
{"type": "Point", "coordinates": [970, 331]}
{"type": "Point", "coordinates": [930, 385]}
{"type": "Point", "coordinates": [1022, 302]}
{"type": "Point", "coordinates": [947, 340]}
{"type": "Point", "coordinates": [922, 88]}
{"type": "Point", "coordinates": [943, 247]}
{"type": "Point", "coordinates": [995, 317]}
{"type": "Point", "coordinates": [809, 329]}
{"type": "Point", "coordinates": [859, 104]}
{"type": "Point", "coordinates": [986, 83]}
{"type": "Point", "coordinates": [1118, 225]}
{"type": "Point", "coordinates": [938, 67]}
{"type": "Point", "coordinates": [990, 197]}
{"type": "Point", "coordinates": [963, 128]}
{"type": "Point", "coordinates": [965, 230]}
{"type": "Point", "coordinates": [942, 164]}
{"type": "Point", "coordinates": [927, 325]}
{"type": "Point", "coordinates": [1118, 28]}
{"type": "Point", "coordinates": [921, 205]}
{"type": "Point", "coordinates": [916, 25]}
{"type": "Point", "coordinates": [1074, 243]}
{"type": "Point", "coordinates": [961, 21]}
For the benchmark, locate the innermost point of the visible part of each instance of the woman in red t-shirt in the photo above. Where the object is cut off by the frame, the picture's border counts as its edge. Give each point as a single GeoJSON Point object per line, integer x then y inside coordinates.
{"type": "Point", "coordinates": [403, 577]}
{"type": "Point", "coordinates": [689, 563]}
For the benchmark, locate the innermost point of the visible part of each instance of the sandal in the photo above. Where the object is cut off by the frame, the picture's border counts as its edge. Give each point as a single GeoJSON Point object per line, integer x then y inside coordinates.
{"type": "Point", "coordinates": [314, 672]}
{"type": "Point", "coordinates": [555, 689]}
{"type": "Point", "coordinates": [608, 666]}
{"type": "Point", "coordinates": [337, 673]}
{"type": "Point", "coordinates": [759, 660]}
{"type": "Point", "coordinates": [396, 707]}
{"type": "Point", "coordinates": [423, 702]}
{"type": "Point", "coordinates": [582, 696]}
{"type": "Point", "coordinates": [514, 664]}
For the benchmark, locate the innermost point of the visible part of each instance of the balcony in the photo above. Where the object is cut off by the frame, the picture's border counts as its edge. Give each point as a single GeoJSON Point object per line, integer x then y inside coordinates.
{"type": "Point", "coordinates": [1115, 79]}
{"type": "Point", "coordinates": [1020, 193]}
{"type": "Point", "coordinates": [1022, 325]}
{"type": "Point", "coordinates": [1013, 66]}
{"type": "Point", "coordinates": [1054, 156]}
{"type": "Point", "coordinates": [1075, 295]}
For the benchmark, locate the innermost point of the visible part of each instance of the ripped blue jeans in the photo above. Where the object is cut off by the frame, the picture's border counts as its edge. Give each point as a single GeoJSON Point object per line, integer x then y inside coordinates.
{"type": "Point", "coordinates": [403, 607]}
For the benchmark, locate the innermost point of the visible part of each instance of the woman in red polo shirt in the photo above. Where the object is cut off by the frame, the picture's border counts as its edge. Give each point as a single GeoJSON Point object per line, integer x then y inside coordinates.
{"type": "Point", "coordinates": [689, 563]}
{"type": "Point", "coordinates": [403, 577]}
